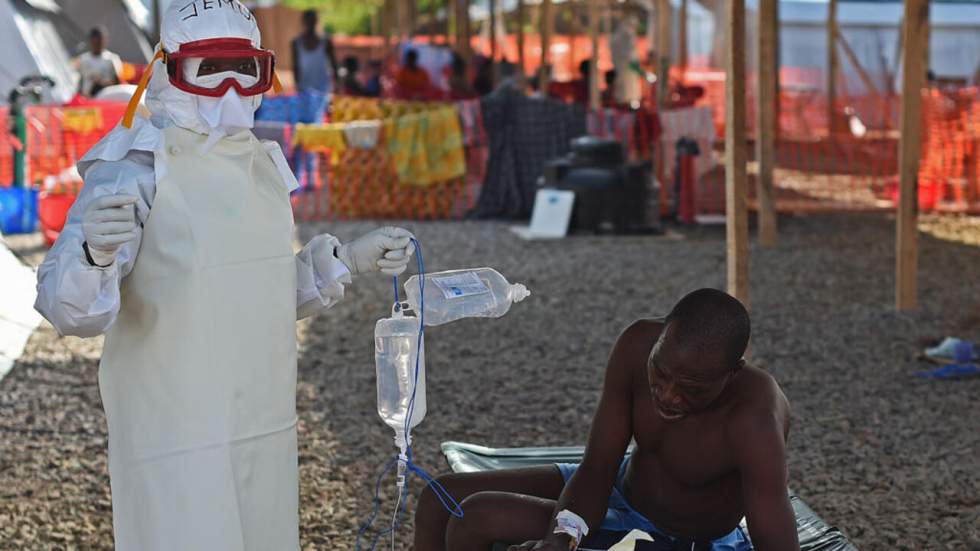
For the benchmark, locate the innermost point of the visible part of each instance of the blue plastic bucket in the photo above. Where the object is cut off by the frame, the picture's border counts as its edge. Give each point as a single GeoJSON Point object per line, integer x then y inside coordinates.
{"type": "Point", "coordinates": [18, 210]}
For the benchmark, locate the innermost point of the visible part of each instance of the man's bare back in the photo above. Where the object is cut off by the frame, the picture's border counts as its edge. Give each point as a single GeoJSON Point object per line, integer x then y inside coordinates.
{"type": "Point", "coordinates": [709, 436]}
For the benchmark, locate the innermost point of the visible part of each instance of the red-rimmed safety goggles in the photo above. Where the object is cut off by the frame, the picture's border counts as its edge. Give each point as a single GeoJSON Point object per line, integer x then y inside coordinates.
{"type": "Point", "coordinates": [218, 49]}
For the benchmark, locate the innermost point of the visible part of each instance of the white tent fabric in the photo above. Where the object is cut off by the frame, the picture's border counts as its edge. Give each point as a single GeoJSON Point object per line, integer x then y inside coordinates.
{"type": "Point", "coordinates": [872, 30]}
{"type": "Point", "coordinates": [125, 37]}
{"type": "Point", "coordinates": [32, 46]}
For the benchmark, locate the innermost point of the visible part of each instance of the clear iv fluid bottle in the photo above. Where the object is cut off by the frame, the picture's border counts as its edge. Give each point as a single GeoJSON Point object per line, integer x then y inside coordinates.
{"type": "Point", "coordinates": [396, 344]}
{"type": "Point", "coordinates": [457, 294]}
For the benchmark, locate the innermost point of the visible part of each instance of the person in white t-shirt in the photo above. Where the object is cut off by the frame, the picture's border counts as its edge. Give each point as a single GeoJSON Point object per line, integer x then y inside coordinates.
{"type": "Point", "coordinates": [98, 67]}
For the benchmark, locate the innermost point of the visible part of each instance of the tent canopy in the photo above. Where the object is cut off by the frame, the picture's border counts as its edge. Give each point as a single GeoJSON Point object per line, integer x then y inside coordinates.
{"type": "Point", "coordinates": [32, 45]}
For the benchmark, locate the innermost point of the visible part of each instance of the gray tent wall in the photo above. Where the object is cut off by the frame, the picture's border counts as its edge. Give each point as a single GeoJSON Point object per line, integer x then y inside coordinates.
{"type": "Point", "coordinates": [32, 45]}
{"type": "Point", "coordinates": [125, 37]}
{"type": "Point", "coordinates": [872, 30]}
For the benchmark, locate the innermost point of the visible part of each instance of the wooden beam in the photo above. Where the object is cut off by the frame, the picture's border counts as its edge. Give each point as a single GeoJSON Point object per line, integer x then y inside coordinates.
{"type": "Point", "coordinates": [452, 23]}
{"type": "Point", "coordinates": [594, 24]}
{"type": "Point", "coordinates": [663, 51]}
{"type": "Point", "coordinates": [682, 35]}
{"type": "Point", "coordinates": [387, 28]}
{"type": "Point", "coordinates": [413, 18]}
{"type": "Point", "coordinates": [765, 139]}
{"type": "Point", "coordinates": [494, 66]}
{"type": "Point", "coordinates": [547, 20]}
{"type": "Point", "coordinates": [832, 67]}
{"type": "Point", "coordinates": [777, 48]}
{"type": "Point", "coordinates": [521, 62]}
{"type": "Point", "coordinates": [464, 30]}
{"type": "Point", "coordinates": [651, 34]}
{"type": "Point", "coordinates": [916, 30]}
{"type": "Point", "coordinates": [401, 20]}
{"type": "Point", "coordinates": [853, 59]}
{"type": "Point", "coordinates": [736, 210]}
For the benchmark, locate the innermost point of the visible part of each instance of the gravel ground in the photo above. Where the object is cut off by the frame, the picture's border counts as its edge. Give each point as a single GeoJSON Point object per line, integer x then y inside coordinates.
{"type": "Point", "coordinates": [890, 459]}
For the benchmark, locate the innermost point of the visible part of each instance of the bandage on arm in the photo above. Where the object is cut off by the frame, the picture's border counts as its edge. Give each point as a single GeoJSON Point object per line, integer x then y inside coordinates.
{"type": "Point", "coordinates": [567, 522]}
{"type": "Point", "coordinates": [587, 491]}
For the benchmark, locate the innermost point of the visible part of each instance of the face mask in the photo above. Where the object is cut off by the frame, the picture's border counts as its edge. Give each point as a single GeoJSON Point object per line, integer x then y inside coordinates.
{"type": "Point", "coordinates": [230, 113]}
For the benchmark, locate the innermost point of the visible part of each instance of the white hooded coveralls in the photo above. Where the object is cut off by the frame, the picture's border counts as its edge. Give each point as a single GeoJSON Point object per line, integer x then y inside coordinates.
{"type": "Point", "coordinates": [198, 372]}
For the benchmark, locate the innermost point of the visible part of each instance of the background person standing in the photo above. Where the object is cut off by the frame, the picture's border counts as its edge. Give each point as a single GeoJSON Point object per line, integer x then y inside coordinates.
{"type": "Point", "coordinates": [314, 62]}
{"type": "Point", "coordinates": [314, 68]}
{"type": "Point", "coordinates": [98, 67]}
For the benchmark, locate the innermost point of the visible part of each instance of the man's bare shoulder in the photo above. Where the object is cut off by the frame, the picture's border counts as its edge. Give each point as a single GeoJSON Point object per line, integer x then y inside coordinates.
{"type": "Point", "coordinates": [643, 332]}
{"type": "Point", "coordinates": [758, 402]}
{"type": "Point", "coordinates": [637, 340]}
{"type": "Point", "coordinates": [633, 346]}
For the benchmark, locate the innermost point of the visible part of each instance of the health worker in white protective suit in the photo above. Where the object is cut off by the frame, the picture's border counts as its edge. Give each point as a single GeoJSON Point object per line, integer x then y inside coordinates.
{"type": "Point", "coordinates": [179, 249]}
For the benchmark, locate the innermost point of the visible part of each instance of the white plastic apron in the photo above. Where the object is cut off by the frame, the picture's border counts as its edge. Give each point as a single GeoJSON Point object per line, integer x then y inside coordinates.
{"type": "Point", "coordinates": [198, 373]}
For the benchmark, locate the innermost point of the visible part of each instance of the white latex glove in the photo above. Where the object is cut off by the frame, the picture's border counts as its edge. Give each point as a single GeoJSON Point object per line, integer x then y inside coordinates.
{"type": "Point", "coordinates": [386, 250]}
{"type": "Point", "coordinates": [108, 223]}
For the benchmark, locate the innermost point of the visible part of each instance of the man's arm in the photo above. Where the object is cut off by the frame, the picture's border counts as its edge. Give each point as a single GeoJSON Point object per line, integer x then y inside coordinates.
{"type": "Point", "coordinates": [760, 452]}
{"type": "Point", "coordinates": [587, 493]}
{"type": "Point", "coordinates": [117, 69]}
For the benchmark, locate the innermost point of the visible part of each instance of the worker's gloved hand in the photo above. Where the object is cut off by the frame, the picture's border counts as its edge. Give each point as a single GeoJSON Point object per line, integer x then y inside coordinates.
{"type": "Point", "coordinates": [387, 250]}
{"type": "Point", "coordinates": [108, 223]}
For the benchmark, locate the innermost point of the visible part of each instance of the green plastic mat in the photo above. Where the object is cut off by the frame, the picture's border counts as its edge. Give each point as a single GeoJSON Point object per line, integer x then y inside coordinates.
{"type": "Point", "coordinates": [814, 533]}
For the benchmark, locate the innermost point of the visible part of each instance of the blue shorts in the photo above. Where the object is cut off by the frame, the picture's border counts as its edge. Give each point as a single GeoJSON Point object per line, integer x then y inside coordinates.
{"type": "Point", "coordinates": [621, 517]}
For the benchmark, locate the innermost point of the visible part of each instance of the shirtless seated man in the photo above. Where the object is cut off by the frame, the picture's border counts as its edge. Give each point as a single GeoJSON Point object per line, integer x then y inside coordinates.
{"type": "Point", "coordinates": [710, 434]}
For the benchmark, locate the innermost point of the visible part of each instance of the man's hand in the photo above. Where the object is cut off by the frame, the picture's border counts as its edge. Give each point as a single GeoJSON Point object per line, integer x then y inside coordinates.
{"type": "Point", "coordinates": [387, 250]}
{"type": "Point", "coordinates": [107, 224]}
{"type": "Point", "coordinates": [554, 542]}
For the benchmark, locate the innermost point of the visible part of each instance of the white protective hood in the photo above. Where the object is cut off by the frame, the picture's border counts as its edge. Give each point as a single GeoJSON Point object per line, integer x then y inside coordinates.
{"type": "Point", "coordinates": [185, 22]}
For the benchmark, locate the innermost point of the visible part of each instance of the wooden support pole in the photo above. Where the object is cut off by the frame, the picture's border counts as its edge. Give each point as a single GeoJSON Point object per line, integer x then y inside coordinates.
{"type": "Point", "coordinates": [916, 30]}
{"type": "Point", "coordinates": [401, 18]}
{"type": "Point", "coordinates": [546, 24]}
{"type": "Point", "coordinates": [651, 33]}
{"type": "Point", "coordinates": [412, 8]}
{"type": "Point", "coordinates": [463, 45]}
{"type": "Point", "coordinates": [494, 66]}
{"type": "Point", "coordinates": [663, 51]}
{"type": "Point", "coordinates": [765, 140]}
{"type": "Point", "coordinates": [682, 35]}
{"type": "Point", "coordinates": [594, 24]}
{"type": "Point", "coordinates": [736, 211]}
{"type": "Point", "coordinates": [521, 56]}
{"type": "Point", "coordinates": [452, 23]}
{"type": "Point", "coordinates": [387, 28]}
{"type": "Point", "coordinates": [521, 62]}
{"type": "Point", "coordinates": [777, 45]}
{"type": "Point", "coordinates": [832, 67]}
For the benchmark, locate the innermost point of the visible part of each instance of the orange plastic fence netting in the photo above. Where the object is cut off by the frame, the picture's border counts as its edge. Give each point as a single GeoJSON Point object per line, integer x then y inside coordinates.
{"type": "Point", "coordinates": [853, 167]}
{"type": "Point", "coordinates": [950, 164]}
{"type": "Point", "coordinates": [7, 144]}
{"type": "Point", "coordinates": [57, 137]}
